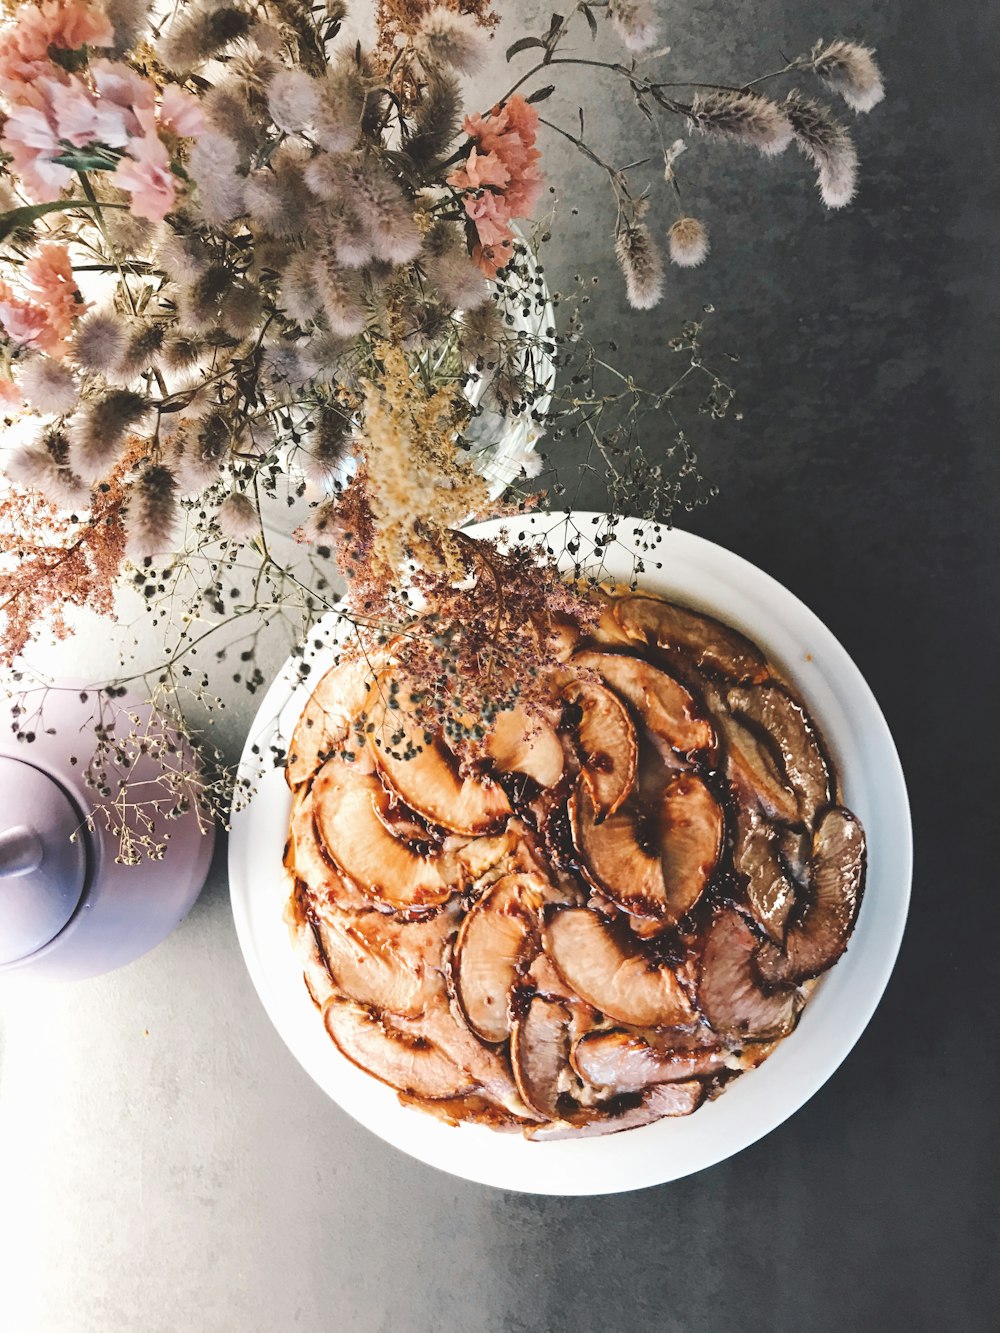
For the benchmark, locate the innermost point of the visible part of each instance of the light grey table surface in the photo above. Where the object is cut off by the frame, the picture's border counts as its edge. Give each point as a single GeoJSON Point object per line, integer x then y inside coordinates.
{"type": "Point", "coordinates": [166, 1166]}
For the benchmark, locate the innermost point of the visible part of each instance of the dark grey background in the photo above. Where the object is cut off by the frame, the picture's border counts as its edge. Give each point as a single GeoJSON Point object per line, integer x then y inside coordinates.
{"type": "Point", "coordinates": [185, 1174]}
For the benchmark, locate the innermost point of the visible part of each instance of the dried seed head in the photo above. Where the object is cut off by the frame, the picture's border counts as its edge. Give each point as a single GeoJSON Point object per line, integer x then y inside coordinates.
{"type": "Point", "coordinates": [436, 118]}
{"type": "Point", "coordinates": [688, 241]}
{"type": "Point", "coordinates": [447, 38]}
{"type": "Point", "coordinates": [828, 145]}
{"type": "Point", "coordinates": [849, 70]}
{"type": "Point", "coordinates": [341, 293]}
{"type": "Point", "coordinates": [47, 385]}
{"type": "Point", "coordinates": [635, 23]}
{"type": "Point", "coordinates": [341, 109]}
{"type": "Point", "coordinates": [142, 351]}
{"type": "Point", "coordinates": [746, 117]}
{"type": "Point", "coordinates": [202, 31]}
{"type": "Point", "coordinates": [322, 455]}
{"type": "Point", "coordinates": [98, 432]}
{"type": "Point", "coordinates": [214, 166]}
{"type": "Point", "coordinates": [44, 466]}
{"type": "Point", "coordinates": [99, 343]}
{"type": "Point", "coordinates": [151, 512]}
{"type": "Point", "coordinates": [641, 264]}
{"type": "Point", "coordinates": [237, 517]}
{"type": "Point", "coordinates": [293, 99]}
{"type": "Point", "coordinates": [241, 309]}
{"type": "Point", "coordinates": [298, 297]}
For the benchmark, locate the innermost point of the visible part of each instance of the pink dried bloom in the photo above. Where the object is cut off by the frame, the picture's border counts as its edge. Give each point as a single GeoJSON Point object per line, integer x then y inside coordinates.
{"type": "Point", "coordinates": [293, 98]}
{"type": "Point", "coordinates": [120, 87]}
{"type": "Point", "coordinates": [745, 117]}
{"type": "Point", "coordinates": [97, 436]}
{"type": "Point", "coordinates": [181, 113]}
{"type": "Point", "coordinates": [499, 178]}
{"type": "Point", "coordinates": [688, 242]}
{"type": "Point", "coordinates": [29, 135]}
{"type": "Point", "coordinates": [48, 386]}
{"type": "Point", "coordinates": [201, 31]}
{"type": "Point", "coordinates": [237, 517]}
{"type": "Point", "coordinates": [214, 167]}
{"type": "Point", "coordinates": [41, 316]}
{"type": "Point", "coordinates": [99, 343]}
{"type": "Point", "coordinates": [851, 71]}
{"type": "Point", "coordinates": [828, 145]}
{"type": "Point", "coordinates": [24, 322]}
{"type": "Point", "coordinates": [151, 513]}
{"type": "Point", "coordinates": [641, 264]}
{"type": "Point", "coordinates": [80, 117]}
{"type": "Point", "coordinates": [447, 38]}
{"type": "Point", "coordinates": [67, 25]}
{"type": "Point", "coordinates": [635, 23]}
{"type": "Point", "coordinates": [146, 174]}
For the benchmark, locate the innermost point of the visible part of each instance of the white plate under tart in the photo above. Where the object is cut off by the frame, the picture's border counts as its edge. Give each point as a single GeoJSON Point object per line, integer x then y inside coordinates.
{"type": "Point", "coordinates": [707, 577]}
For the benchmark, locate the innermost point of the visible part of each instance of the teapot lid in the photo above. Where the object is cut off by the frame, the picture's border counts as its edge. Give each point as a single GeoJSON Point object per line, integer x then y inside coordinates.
{"type": "Point", "coordinates": [43, 868]}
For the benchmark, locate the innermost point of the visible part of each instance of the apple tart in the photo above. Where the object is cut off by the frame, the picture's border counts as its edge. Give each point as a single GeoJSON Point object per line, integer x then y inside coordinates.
{"type": "Point", "coordinates": [618, 910]}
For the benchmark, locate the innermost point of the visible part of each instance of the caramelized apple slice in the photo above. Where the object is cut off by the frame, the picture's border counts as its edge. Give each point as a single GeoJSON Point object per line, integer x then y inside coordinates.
{"type": "Point", "coordinates": [666, 707]}
{"type": "Point", "coordinates": [306, 859]}
{"type": "Point", "coordinates": [326, 719]}
{"type": "Point", "coordinates": [729, 993]}
{"type": "Point", "coordinates": [413, 1064]}
{"type": "Point", "coordinates": [520, 743]}
{"type": "Point", "coordinates": [606, 741]}
{"type": "Point", "coordinates": [703, 640]}
{"type": "Point", "coordinates": [822, 920]}
{"type": "Point", "coordinates": [611, 973]}
{"type": "Point", "coordinates": [426, 777]}
{"type": "Point", "coordinates": [653, 867]}
{"type": "Point", "coordinates": [627, 1062]}
{"type": "Point", "coordinates": [750, 768]}
{"type": "Point", "coordinates": [770, 889]}
{"type": "Point", "coordinates": [793, 734]}
{"type": "Point", "coordinates": [377, 961]}
{"type": "Point", "coordinates": [629, 1111]}
{"type": "Point", "coordinates": [539, 1053]}
{"type": "Point", "coordinates": [363, 849]}
{"type": "Point", "coordinates": [491, 948]}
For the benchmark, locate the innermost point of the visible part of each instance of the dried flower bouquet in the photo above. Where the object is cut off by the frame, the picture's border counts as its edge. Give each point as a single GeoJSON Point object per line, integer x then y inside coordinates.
{"type": "Point", "coordinates": [254, 274]}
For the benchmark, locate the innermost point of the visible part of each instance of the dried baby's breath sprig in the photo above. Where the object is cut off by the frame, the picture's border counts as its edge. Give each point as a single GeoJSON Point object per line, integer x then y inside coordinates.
{"type": "Point", "coordinates": [642, 265]}
{"type": "Point", "coordinates": [688, 242]}
{"type": "Point", "coordinates": [849, 70]}
{"type": "Point", "coordinates": [828, 145]}
{"type": "Point", "coordinates": [745, 117]}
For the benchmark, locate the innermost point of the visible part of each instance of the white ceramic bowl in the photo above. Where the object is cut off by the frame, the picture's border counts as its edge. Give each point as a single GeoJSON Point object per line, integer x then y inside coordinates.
{"type": "Point", "coordinates": [704, 576]}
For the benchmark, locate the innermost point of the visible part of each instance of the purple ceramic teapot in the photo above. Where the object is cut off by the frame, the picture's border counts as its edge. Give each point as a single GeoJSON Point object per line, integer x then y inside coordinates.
{"type": "Point", "coordinates": [68, 909]}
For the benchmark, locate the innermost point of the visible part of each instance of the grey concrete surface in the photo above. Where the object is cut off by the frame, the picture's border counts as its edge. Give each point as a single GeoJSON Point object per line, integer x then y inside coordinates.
{"type": "Point", "coordinates": [165, 1163]}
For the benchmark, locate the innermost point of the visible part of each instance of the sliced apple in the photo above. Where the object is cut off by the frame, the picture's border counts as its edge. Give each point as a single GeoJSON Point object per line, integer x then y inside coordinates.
{"type": "Point", "coordinates": [702, 640]}
{"type": "Point", "coordinates": [539, 1053]}
{"type": "Point", "coordinates": [823, 918]}
{"type": "Point", "coordinates": [665, 706]}
{"type": "Point", "coordinates": [611, 973]}
{"type": "Point", "coordinates": [626, 1062]}
{"type": "Point", "coordinates": [792, 733]}
{"type": "Point", "coordinates": [491, 948]}
{"type": "Point", "coordinates": [389, 965]}
{"type": "Point", "coordinates": [729, 993]}
{"type": "Point", "coordinates": [311, 866]}
{"type": "Point", "coordinates": [629, 1111]}
{"type": "Point", "coordinates": [521, 743]}
{"type": "Point", "coordinates": [424, 774]}
{"type": "Point", "coordinates": [413, 1064]}
{"type": "Point", "coordinates": [652, 866]}
{"type": "Point", "coordinates": [750, 767]}
{"type": "Point", "coordinates": [357, 842]}
{"type": "Point", "coordinates": [770, 889]}
{"type": "Point", "coordinates": [325, 721]}
{"type": "Point", "coordinates": [606, 744]}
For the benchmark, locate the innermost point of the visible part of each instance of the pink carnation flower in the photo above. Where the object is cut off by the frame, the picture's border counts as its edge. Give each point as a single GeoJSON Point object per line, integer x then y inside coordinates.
{"type": "Point", "coordinates": [500, 178]}
{"type": "Point", "coordinates": [65, 24]}
{"type": "Point", "coordinates": [122, 88]}
{"type": "Point", "coordinates": [30, 137]}
{"type": "Point", "coordinates": [81, 118]}
{"type": "Point", "coordinates": [145, 173]}
{"type": "Point", "coordinates": [181, 112]}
